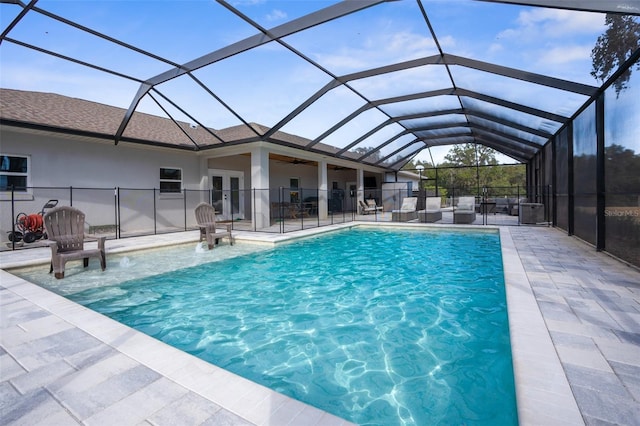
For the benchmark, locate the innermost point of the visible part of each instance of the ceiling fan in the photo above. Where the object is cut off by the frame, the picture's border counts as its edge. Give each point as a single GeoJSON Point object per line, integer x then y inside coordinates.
{"type": "Point", "coordinates": [299, 161]}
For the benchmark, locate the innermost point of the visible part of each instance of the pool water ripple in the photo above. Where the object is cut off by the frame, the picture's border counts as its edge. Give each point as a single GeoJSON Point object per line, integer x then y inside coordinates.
{"type": "Point", "coordinates": [379, 327]}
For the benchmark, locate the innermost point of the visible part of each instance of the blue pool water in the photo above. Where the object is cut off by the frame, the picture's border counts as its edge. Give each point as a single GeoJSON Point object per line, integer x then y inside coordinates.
{"type": "Point", "coordinates": [380, 327]}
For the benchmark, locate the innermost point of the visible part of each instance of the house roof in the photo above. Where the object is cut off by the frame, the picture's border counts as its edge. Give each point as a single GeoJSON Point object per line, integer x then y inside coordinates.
{"type": "Point", "coordinates": [64, 114]}
{"type": "Point", "coordinates": [373, 81]}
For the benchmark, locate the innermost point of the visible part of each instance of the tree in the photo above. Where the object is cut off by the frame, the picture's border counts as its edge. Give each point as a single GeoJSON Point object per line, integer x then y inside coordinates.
{"type": "Point", "coordinates": [614, 47]}
{"type": "Point", "coordinates": [373, 158]}
{"type": "Point", "coordinates": [459, 171]}
{"type": "Point", "coordinates": [465, 155]}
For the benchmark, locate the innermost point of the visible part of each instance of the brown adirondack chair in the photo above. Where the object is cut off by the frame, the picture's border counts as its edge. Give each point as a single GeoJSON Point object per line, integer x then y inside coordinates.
{"type": "Point", "coordinates": [65, 230]}
{"type": "Point", "coordinates": [206, 219]}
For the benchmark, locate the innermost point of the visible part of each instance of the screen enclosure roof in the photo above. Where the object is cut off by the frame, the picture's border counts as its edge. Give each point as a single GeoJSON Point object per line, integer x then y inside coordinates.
{"type": "Point", "coordinates": [379, 82]}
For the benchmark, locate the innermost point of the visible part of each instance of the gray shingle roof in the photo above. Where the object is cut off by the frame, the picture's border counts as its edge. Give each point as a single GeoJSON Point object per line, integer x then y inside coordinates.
{"type": "Point", "coordinates": [72, 115]}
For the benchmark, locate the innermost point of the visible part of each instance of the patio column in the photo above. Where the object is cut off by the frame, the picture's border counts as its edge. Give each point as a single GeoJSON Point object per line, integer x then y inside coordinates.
{"type": "Point", "coordinates": [323, 199]}
{"type": "Point", "coordinates": [260, 187]}
{"type": "Point", "coordinates": [204, 180]}
{"type": "Point", "coordinates": [360, 182]}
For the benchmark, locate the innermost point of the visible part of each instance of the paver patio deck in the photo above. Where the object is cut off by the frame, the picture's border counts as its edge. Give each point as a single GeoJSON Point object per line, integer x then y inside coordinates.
{"type": "Point", "coordinates": [574, 318]}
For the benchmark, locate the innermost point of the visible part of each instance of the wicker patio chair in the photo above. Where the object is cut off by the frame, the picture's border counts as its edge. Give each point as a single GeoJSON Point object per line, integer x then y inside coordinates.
{"type": "Point", "coordinates": [407, 211]}
{"type": "Point", "coordinates": [432, 212]}
{"type": "Point", "coordinates": [465, 211]}
{"type": "Point", "coordinates": [65, 231]}
{"type": "Point", "coordinates": [206, 219]}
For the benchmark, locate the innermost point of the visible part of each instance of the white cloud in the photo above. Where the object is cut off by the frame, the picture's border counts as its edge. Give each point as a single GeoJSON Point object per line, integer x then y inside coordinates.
{"type": "Point", "coordinates": [496, 48]}
{"type": "Point", "coordinates": [276, 15]}
{"type": "Point", "coordinates": [447, 42]}
{"type": "Point", "coordinates": [537, 24]}
{"type": "Point", "coordinates": [378, 50]}
{"type": "Point", "coordinates": [565, 54]}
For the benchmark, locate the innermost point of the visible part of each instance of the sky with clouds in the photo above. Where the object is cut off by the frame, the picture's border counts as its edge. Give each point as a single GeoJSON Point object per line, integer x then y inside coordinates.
{"type": "Point", "coordinates": [264, 84]}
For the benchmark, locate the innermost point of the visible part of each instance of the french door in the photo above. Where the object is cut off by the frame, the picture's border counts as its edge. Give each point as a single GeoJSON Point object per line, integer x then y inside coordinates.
{"type": "Point", "coordinates": [227, 195]}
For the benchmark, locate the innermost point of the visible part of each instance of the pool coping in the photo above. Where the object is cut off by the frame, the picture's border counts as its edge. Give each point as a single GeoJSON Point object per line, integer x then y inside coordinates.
{"type": "Point", "coordinates": [543, 393]}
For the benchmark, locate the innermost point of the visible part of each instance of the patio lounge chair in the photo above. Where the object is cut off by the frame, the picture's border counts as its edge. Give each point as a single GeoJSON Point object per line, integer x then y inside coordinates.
{"type": "Point", "coordinates": [206, 219]}
{"type": "Point", "coordinates": [432, 212]}
{"type": "Point", "coordinates": [407, 211]}
{"type": "Point", "coordinates": [65, 229]}
{"type": "Point", "coordinates": [371, 203]}
{"type": "Point", "coordinates": [364, 208]}
{"type": "Point", "coordinates": [465, 212]}
{"type": "Point", "coordinates": [369, 207]}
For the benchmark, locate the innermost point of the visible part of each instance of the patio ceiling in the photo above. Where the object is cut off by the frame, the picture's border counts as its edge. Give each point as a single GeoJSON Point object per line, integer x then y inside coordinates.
{"type": "Point", "coordinates": [346, 76]}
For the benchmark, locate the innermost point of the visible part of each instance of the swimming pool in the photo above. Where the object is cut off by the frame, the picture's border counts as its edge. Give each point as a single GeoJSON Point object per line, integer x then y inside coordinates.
{"type": "Point", "coordinates": [366, 324]}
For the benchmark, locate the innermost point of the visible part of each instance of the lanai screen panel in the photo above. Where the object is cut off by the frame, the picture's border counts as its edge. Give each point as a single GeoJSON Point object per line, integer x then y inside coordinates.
{"type": "Point", "coordinates": [402, 82]}
{"type": "Point", "coordinates": [256, 90]}
{"type": "Point", "coordinates": [355, 128]}
{"type": "Point", "coordinates": [379, 137]}
{"type": "Point", "coordinates": [391, 146]}
{"type": "Point", "coordinates": [222, 64]}
{"type": "Point", "coordinates": [435, 121]}
{"type": "Point", "coordinates": [519, 117]}
{"type": "Point", "coordinates": [381, 35]}
{"type": "Point", "coordinates": [553, 42]}
{"type": "Point", "coordinates": [518, 91]}
{"type": "Point", "coordinates": [508, 130]}
{"type": "Point", "coordinates": [325, 113]}
{"type": "Point", "coordinates": [422, 105]}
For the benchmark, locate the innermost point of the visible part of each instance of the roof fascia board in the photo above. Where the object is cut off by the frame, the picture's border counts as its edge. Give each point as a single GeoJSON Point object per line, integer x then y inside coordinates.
{"type": "Point", "coordinates": [31, 127]}
{"type": "Point", "coordinates": [625, 7]}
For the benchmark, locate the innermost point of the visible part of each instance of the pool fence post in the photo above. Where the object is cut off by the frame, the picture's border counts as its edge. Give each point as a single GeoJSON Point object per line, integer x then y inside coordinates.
{"type": "Point", "coordinates": [155, 214]}
{"type": "Point", "coordinates": [13, 215]}
{"type": "Point", "coordinates": [116, 194]}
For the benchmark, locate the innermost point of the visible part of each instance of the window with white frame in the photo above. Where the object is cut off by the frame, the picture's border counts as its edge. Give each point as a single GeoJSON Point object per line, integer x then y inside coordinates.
{"type": "Point", "coordinates": [170, 180]}
{"type": "Point", "coordinates": [14, 172]}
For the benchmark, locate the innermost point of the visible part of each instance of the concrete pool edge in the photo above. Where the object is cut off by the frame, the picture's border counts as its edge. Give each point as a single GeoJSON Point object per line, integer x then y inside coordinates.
{"type": "Point", "coordinates": [542, 390]}
{"type": "Point", "coordinates": [543, 393]}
